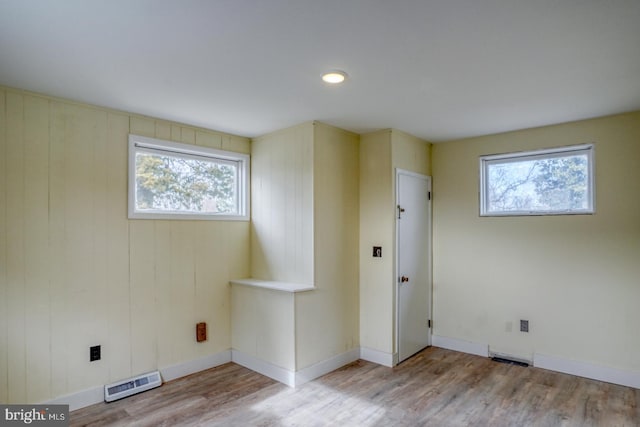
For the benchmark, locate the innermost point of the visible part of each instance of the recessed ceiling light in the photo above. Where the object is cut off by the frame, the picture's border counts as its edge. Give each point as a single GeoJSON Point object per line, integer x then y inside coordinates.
{"type": "Point", "coordinates": [334, 77]}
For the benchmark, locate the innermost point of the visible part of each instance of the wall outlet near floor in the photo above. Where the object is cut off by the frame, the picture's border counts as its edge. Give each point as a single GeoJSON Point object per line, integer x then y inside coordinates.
{"type": "Point", "coordinates": [524, 326]}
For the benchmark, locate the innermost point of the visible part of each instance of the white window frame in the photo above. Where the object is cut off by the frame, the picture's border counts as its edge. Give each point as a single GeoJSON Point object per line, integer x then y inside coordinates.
{"type": "Point", "coordinates": [486, 161]}
{"type": "Point", "coordinates": [139, 143]}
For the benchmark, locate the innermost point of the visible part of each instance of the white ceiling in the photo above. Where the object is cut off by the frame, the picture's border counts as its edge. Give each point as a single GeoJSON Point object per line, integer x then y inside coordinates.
{"type": "Point", "coordinates": [438, 69]}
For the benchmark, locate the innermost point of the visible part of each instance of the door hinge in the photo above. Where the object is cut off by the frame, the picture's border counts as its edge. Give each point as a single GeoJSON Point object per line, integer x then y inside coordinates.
{"type": "Point", "coordinates": [400, 210]}
{"type": "Point", "coordinates": [429, 323]}
{"type": "Point", "coordinates": [429, 195]}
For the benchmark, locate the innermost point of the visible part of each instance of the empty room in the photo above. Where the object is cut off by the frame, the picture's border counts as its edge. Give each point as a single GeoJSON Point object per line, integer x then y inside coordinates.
{"type": "Point", "coordinates": [303, 213]}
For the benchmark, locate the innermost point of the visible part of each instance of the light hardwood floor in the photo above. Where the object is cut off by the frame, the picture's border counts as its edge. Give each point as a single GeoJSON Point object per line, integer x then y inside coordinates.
{"type": "Point", "coordinates": [436, 387]}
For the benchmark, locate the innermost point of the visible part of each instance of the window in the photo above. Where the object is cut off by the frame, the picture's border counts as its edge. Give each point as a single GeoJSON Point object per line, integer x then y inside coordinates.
{"type": "Point", "coordinates": [545, 182]}
{"type": "Point", "coordinates": [168, 180]}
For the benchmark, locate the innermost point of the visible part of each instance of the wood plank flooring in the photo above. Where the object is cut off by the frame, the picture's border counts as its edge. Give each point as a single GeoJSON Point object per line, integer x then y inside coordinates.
{"type": "Point", "coordinates": [436, 387]}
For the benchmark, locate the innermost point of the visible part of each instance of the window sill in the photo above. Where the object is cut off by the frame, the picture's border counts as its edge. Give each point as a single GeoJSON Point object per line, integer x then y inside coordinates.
{"type": "Point", "coordinates": [273, 285]}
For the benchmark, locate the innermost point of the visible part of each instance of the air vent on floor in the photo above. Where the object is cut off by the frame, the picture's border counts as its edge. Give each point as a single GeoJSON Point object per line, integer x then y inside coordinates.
{"type": "Point", "coordinates": [131, 386]}
{"type": "Point", "coordinates": [507, 358]}
{"type": "Point", "coordinates": [509, 362]}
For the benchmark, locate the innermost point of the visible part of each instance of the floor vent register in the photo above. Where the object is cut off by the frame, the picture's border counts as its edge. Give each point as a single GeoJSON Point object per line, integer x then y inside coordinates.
{"type": "Point", "coordinates": [132, 386]}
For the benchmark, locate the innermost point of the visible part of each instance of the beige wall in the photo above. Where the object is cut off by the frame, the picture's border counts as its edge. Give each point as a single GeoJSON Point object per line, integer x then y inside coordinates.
{"type": "Point", "coordinates": [327, 318]}
{"type": "Point", "coordinates": [263, 325]}
{"type": "Point", "coordinates": [377, 209]}
{"type": "Point", "coordinates": [410, 153]}
{"type": "Point", "coordinates": [282, 205]}
{"type": "Point", "coordinates": [575, 278]}
{"type": "Point", "coordinates": [380, 154]}
{"type": "Point", "coordinates": [305, 230]}
{"type": "Point", "coordinates": [263, 320]}
{"type": "Point", "coordinates": [75, 272]}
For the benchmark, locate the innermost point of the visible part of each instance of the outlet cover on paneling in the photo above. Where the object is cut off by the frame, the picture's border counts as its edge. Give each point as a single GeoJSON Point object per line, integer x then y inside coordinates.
{"type": "Point", "coordinates": [201, 332]}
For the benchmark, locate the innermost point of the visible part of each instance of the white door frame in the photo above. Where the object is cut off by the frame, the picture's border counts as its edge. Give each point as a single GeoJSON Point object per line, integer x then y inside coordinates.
{"type": "Point", "coordinates": [399, 171]}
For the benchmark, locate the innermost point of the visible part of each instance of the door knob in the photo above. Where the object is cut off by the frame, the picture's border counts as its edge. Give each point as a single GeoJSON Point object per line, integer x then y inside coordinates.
{"type": "Point", "coordinates": [404, 279]}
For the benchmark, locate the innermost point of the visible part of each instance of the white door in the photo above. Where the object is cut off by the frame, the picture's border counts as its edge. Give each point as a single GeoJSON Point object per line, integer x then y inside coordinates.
{"type": "Point", "coordinates": [413, 219]}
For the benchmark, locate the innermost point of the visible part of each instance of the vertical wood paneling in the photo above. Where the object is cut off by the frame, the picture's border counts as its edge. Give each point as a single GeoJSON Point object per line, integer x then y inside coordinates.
{"type": "Point", "coordinates": [274, 327]}
{"type": "Point", "coordinates": [4, 305]}
{"type": "Point", "coordinates": [263, 325]}
{"type": "Point", "coordinates": [376, 228]}
{"type": "Point", "coordinates": [78, 241]}
{"type": "Point", "coordinates": [76, 272]}
{"type": "Point", "coordinates": [183, 288]}
{"type": "Point", "coordinates": [84, 241]}
{"type": "Point", "coordinates": [288, 179]}
{"type": "Point", "coordinates": [97, 285]}
{"type": "Point", "coordinates": [208, 139]}
{"type": "Point", "coordinates": [326, 322]}
{"type": "Point", "coordinates": [144, 352]}
{"type": "Point", "coordinates": [143, 126]}
{"type": "Point", "coordinates": [164, 301]}
{"type": "Point", "coordinates": [234, 143]}
{"type": "Point", "coordinates": [282, 205]}
{"type": "Point", "coordinates": [36, 235]}
{"type": "Point", "coordinates": [58, 280]}
{"type": "Point", "coordinates": [16, 253]}
{"type": "Point", "coordinates": [211, 292]}
{"type": "Point", "coordinates": [279, 234]}
{"type": "Point", "coordinates": [238, 250]}
{"type": "Point", "coordinates": [187, 135]}
{"type": "Point", "coordinates": [259, 209]}
{"type": "Point", "coordinates": [163, 130]}
{"type": "Point", "coordinates": [176, 133]}
{"type": "Point", "coordinates": [119, 335]}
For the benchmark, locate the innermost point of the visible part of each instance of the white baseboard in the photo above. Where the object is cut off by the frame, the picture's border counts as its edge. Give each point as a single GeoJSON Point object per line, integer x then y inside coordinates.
{"type": "Point", "coordinates": [267, 369]}
{"type": "Point", "coordinates": [78, 400]}
{"type": "Point", "coordinates": [191, 367]}
{"type": "Point", "coordinates": [587, 370]}
{"type": "Point", "coordinates": [460, 345]}
{"type": "Point", "coordinates": [293, 378]}
{"type": "Point", "coordinates": [377, 356]}
{"type": "Point", "coordinates": [95, 395]}
{"type": "Point", "coordinates": [552, 363]}
{"type": "Point", "coordinates": [324, 367]}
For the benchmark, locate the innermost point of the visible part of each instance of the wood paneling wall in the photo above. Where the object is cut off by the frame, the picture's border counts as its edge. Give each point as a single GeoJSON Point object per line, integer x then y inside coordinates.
{"type": "Point", "coordinates": [305, 211]}
{"type": "Point", "coordinates": [75, 272]}
{"type": "Point", "coordinates": [327, 318]}
{"type": "Point", "coordinates": [282, 205]}
{"type": "Point", "coordinates": [381, 153]}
